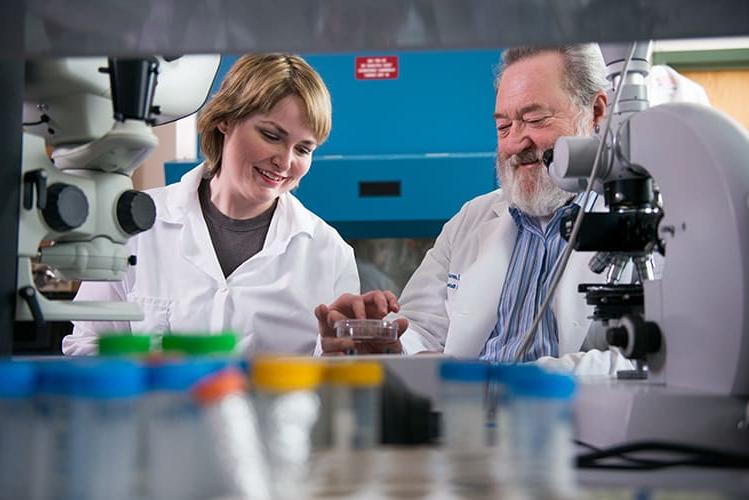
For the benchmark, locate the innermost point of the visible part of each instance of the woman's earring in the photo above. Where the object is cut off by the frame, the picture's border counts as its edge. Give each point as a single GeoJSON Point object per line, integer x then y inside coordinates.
{"type": "Point", "coordinates": [597, 128]}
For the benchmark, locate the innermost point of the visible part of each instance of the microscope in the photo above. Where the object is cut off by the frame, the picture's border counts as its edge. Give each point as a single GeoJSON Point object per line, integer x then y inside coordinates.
{"type": "Point", "coordinates": [87, 125]}
{"type": "Point", "coordinates": [625, 238]}
{"type": "Point", "coordinates": [675, 179]}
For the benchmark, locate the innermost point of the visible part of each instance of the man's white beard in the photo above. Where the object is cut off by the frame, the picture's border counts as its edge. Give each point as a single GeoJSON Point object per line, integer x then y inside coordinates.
{"type": "Point", "coordinates": [531, 190]}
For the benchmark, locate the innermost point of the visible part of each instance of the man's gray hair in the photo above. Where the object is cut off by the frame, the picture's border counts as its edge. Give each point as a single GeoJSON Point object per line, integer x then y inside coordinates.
{"type": "Point", "coordinates": [585, 72]}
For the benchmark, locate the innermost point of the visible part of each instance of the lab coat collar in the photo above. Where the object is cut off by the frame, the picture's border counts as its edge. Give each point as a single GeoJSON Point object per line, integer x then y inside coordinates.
{"type": "Point", "coordinates": [182, 207]}
{"type": "Point", "coordinates": [182, 197]}
{"type": "Point", "coordinates": [501, 204]}
{"type": "Point", "coordinates": [290, 219]}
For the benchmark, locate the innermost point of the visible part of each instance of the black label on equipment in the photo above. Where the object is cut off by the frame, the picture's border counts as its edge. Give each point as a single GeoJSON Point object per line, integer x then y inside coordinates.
{"type": "Point", "coordinates": [379, 188]}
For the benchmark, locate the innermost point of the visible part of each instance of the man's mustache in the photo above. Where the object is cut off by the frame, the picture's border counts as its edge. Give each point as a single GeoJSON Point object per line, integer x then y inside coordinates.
{"type": "Point", "coordinates": [525, 156]}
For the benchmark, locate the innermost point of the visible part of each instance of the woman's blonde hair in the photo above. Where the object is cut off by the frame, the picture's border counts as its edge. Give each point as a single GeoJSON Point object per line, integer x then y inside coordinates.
{"type": "Point", "coordinates": [255, 84]}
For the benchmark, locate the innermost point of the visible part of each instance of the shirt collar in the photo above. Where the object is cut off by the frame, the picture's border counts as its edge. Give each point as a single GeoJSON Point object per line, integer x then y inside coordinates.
{"type": "Point", "coordinates": [592, 198]}
{"type": "Point", "coordinates": [525, 221]}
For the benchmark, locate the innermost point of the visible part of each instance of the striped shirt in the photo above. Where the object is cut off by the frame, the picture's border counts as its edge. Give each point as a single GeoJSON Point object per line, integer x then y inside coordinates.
{"type": "Point", "coordinates": [531, 269]}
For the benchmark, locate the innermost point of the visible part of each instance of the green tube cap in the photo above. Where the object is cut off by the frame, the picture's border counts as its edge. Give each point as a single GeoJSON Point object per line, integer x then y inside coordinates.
{"type": "Point", "coordinates": [199, 345]}
{"type": "Point", "coordinates": [124, 345]}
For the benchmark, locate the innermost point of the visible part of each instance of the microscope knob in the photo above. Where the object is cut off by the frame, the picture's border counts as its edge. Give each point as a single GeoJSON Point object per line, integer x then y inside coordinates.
{"type": "Point", "coordinates": [635, 337]}
{"type": "Point", "coordinates": [649, 339]}
{"type": "Point", "coordinates": [617, 336]}
{"type": "Point", "coordinates": [66, 208]}
{"type": "Point", "coordinates": [136, 212]}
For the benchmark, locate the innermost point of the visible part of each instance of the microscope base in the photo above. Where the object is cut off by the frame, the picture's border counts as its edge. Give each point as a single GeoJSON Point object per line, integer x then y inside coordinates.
{"type": "Point", "coordinates": [613, 412]}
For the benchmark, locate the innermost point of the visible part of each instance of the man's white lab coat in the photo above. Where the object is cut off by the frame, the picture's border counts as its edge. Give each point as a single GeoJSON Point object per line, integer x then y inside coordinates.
{"type": "Point", "coordinates": [268, 300]}
{"type": "Point", "coordinates": [451, 300]}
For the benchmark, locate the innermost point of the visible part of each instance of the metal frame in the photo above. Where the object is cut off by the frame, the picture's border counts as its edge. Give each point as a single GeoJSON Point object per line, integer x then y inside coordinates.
{"type": "Point", "coordinates": [11, 112]}
{"type": "Point", "coordinates": [97, 27]}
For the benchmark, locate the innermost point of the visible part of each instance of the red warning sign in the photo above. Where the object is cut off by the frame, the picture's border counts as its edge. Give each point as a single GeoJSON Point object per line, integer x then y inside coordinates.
{"type": "Point", "coordinates": [377, 68]}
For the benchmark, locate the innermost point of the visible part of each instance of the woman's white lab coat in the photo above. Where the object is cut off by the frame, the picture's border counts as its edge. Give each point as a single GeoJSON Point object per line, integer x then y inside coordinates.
{"type": "Point", "coordinates": [451, 300]}
{"type": "Point", "coordinates": [268, 300]}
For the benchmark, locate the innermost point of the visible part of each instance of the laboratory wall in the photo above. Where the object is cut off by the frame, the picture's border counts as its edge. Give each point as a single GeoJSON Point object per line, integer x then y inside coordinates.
{"type": "Point", "coordinates": [722, 87]}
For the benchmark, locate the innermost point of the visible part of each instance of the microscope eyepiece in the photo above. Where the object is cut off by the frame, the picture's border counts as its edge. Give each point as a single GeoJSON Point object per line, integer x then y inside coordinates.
{"type": "Point", "coordinates": [548, 157]}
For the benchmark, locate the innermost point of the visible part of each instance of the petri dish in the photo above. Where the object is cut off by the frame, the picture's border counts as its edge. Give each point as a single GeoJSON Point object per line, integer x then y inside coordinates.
{"type": "Point", "coordinates": [367, 330]}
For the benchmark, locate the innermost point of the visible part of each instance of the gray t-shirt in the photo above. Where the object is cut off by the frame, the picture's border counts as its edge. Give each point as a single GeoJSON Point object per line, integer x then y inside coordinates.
{"type": "Point", "coordinates": [234, 240]}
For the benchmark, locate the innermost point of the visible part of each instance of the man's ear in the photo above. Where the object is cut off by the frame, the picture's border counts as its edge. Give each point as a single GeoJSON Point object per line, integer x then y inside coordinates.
{"type": "Point", "coordinates": [599, 107]}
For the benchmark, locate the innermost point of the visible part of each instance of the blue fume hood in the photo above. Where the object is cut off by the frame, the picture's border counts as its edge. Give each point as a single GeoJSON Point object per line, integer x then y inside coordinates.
{"type": "Point", "coordinates": [404, 154]}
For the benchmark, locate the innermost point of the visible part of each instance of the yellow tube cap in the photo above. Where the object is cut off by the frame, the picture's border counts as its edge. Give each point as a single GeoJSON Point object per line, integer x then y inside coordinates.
{"type": "Point", "coordinates": [286, 374]}
{"type": "Point", "coordinates": [358, 374]}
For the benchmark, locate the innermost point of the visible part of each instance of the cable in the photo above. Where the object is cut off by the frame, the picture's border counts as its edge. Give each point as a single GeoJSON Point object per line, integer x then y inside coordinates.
{"type": "Point", "coordinates": [562, 263]}
{"type": "Point", "coordinates": [697, 456]}
{"type": "Point", "coordinates": [586, 445]}
{"type": "Point", "coordinates": [641, 462]}
{"type": "Point", "coordinates": [44, 118]}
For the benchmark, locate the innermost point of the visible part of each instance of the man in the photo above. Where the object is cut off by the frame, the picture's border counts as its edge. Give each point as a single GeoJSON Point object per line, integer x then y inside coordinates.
{"type": "Point", "coordinates": [480, 286]}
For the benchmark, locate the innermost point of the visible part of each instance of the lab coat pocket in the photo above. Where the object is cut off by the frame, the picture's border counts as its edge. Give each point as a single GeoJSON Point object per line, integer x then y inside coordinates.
{"type": "Point", "coordinates": [155, 314]}
{"type": "Point", "coordinates": [459, 341]}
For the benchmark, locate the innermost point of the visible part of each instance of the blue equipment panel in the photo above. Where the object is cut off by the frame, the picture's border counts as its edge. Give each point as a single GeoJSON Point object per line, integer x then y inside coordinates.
{"type": "Point", "coordinates": [404, 154]}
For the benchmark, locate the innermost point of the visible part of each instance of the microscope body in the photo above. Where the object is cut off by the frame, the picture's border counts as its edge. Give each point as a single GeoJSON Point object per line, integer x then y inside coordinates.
{"type": "Point", "coordinates": [95, 117]}
{"type": "Point", "coordinates": [79, 215]}
{"type": "Point", "coordinates": [698, 157]}
{"type": "Point", "coordinates": [677, 174]}
{"type": "Point", "coordinates": [676, 183]}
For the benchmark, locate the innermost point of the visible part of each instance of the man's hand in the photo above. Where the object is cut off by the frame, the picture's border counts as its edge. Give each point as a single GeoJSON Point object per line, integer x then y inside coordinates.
{"type": "Point", "coordinates": [371, 305]}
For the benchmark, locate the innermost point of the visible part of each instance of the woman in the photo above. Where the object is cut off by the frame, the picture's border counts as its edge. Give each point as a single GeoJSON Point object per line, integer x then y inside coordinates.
{"type": "Point", "coordinates": [232, 248]}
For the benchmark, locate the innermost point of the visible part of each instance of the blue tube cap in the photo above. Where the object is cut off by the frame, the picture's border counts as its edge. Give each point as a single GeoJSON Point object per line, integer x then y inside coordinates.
{"type": "Point", "coordinates": [464, 371]}
{"type": "Point", "coordinates": [182, 374]}
{"type": "Point", "coordinates": [17, 379]}
{"type": "Point", "coordinates": [534, 382]}
{"type": "Point", "coordinates": [92, 378]}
